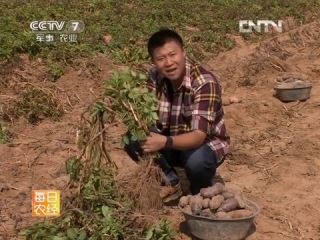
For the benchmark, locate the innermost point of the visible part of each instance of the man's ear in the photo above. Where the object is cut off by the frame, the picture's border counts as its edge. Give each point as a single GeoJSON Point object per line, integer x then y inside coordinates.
{"type": "Point", "coordinates": [184, 51]}
{"type": "Point", "coordinates": [152, 59]}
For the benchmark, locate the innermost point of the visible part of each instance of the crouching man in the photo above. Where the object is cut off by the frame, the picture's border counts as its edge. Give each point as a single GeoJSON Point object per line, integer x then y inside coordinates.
{"type": "Point", "coordinates": [191, 131]}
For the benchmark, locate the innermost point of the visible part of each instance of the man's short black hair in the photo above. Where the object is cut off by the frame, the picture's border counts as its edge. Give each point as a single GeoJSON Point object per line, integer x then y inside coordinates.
{"type": "Point", "coordinates": [161, 37]}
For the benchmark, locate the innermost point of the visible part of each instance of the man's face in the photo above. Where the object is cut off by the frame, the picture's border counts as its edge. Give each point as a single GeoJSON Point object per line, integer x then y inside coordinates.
{"type": "Point", "coordinates": [170, 60]}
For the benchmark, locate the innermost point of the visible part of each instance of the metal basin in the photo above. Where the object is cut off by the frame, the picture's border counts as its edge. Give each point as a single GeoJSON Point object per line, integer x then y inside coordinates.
{"type": "Point", "coordinates": [293, 91]}
{"type": "Point", "coordinates": [221, 229]}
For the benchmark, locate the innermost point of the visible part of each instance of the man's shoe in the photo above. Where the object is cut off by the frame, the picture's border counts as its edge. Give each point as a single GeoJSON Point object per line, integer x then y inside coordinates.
{"type": "Point", "coordinates": [170, 193]}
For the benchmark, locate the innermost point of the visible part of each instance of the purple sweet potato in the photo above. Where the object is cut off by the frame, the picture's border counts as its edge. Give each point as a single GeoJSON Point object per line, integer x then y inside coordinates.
{"type": "Point", "coordinates": [239, 197]}
{"type": "Point", "coordinates": [210, 192]}
{"type": "Point", "coordinates": [228, 205]}
{"type": "Point", "coordinates": [228, 193]}
{"type": "Point", "coordinates": [234, 193]}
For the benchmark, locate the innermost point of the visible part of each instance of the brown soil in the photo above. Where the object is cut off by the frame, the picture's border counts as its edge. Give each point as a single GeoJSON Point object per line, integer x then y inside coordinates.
{"type": "Point", "coordinates": [275, 145]}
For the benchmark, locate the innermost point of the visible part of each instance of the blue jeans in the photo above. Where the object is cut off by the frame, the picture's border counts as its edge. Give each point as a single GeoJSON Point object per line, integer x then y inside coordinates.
{"type": "Point", "coordinates": [200, 164]}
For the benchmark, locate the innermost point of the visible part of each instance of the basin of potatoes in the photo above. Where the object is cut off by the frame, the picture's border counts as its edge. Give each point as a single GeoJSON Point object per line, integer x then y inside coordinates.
{"type": "Point", "coordinates": [221, 218]}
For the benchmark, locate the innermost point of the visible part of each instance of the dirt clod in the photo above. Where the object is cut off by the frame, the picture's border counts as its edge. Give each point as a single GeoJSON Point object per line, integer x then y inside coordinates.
{"type": "Point", "coordinates": [4, 187]}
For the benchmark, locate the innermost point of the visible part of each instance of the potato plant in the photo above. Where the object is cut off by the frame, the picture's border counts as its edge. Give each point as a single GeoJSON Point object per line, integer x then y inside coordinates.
{"type": "Point", "coordinates": [132, 101]}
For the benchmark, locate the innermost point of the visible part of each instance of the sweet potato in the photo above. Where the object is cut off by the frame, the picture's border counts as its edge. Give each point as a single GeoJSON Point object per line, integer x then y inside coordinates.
{"type": "Point", "coordinates": [234, 99]}
{"type": "Point", "coordinates": [189, 197]}
{"type": "Point", "coordinates": [207, 213]}
{"type": "Point", "coordinates": [187, 209]}
{"type": "Point", "coordinates": [196, 208]}
{"type": "Point", "coordinates": [196, 199]}
{"type": "Point", "coordinates": [239, 197]}
{"type": "Point", "coordinates": [223, 215]}
{"type": "Point", "coordinates": [192, 199]}
{"type": "Point", "coordinates": [228, 205]}
{"type": "Point", "coordinates": [205, 203]}
{"type": "Point", "coordinates": [210, 192]}
{"type": "Point", "coordinates": [183, 201]}
{"type": "Point", "coordinates": [225, 101]}
{"type": "Point", "coordinates": [240, 213]}
{"type": "Point", "coordinates": [216, 201]}
{"type": "Point", "coordinates": [228, 193]}
{"type": "Point", "coordinates": [206, 192]}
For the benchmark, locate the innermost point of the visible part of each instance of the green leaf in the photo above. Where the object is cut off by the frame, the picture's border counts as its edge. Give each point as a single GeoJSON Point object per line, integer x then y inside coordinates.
{"type": "Point", "coordinates": [133, 74]}
{"type": "Point", "coordinates": [115, 76]}
{"type": "Point", "coordinates": [73, 167]}
{"type": "Point", "coordinates": [153, 108]}
{"type": "Point", "coordinates": [66, 219]}
{"type": "Point", "coordinates": [145, 90]}
{"type": "Point", "coordinates": [146, 110]}
{"type": "Point", "coordinates": [149, 235]}
{"type": "Point", "coordinates": [57, 238]}
{"type": "Point", "coordinates": [126, 140]}
{"type": "Point", "coordinates": [136, 90]}
{"type": "Point", "coordinates": [126, 85]}
{"type": "Point", "coordinates": [146, 97]}
{"type": "Point", "coordinates": [105, 211]}
{"type": "Point", "coordinates": [142, 76]}
{"type": "Point", "coordinates": [82, 235]}
{"type": "Point", "coordinates": [134, 137]}
{"type": "Point", "coordinates": [154, 116]}
{"type": "Point", "coordinates": [141, 135]}
{"type": "Point", "coordinates": [162, 237]}
{"type": "Point", "coordinates": [72, 234]}
{"type": "Point", "coordinates": [158, 230]}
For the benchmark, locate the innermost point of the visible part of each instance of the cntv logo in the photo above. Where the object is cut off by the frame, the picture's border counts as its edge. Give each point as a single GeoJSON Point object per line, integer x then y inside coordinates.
{"type": "Point", "coordinates": [246, 26]}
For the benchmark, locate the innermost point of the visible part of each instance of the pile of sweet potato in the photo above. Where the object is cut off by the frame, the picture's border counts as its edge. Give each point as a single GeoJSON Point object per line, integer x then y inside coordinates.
{"type": "Point", "coordinates": [216, 202]}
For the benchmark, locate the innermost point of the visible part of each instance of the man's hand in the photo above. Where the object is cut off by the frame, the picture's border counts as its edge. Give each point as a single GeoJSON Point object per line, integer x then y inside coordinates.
{"type": "Point", "coordinates": [154, 143]}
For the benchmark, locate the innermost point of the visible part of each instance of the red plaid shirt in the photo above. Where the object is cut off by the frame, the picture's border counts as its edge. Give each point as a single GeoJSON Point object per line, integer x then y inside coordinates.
{"type": "Point", "coordinates": [196, 105]}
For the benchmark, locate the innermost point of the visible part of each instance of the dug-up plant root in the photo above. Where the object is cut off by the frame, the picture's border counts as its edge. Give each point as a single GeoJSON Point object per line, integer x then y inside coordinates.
{"type": "Point", "coordinates": [142, 185]}
{"type": "Point", "coordinates": [140, 220]}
